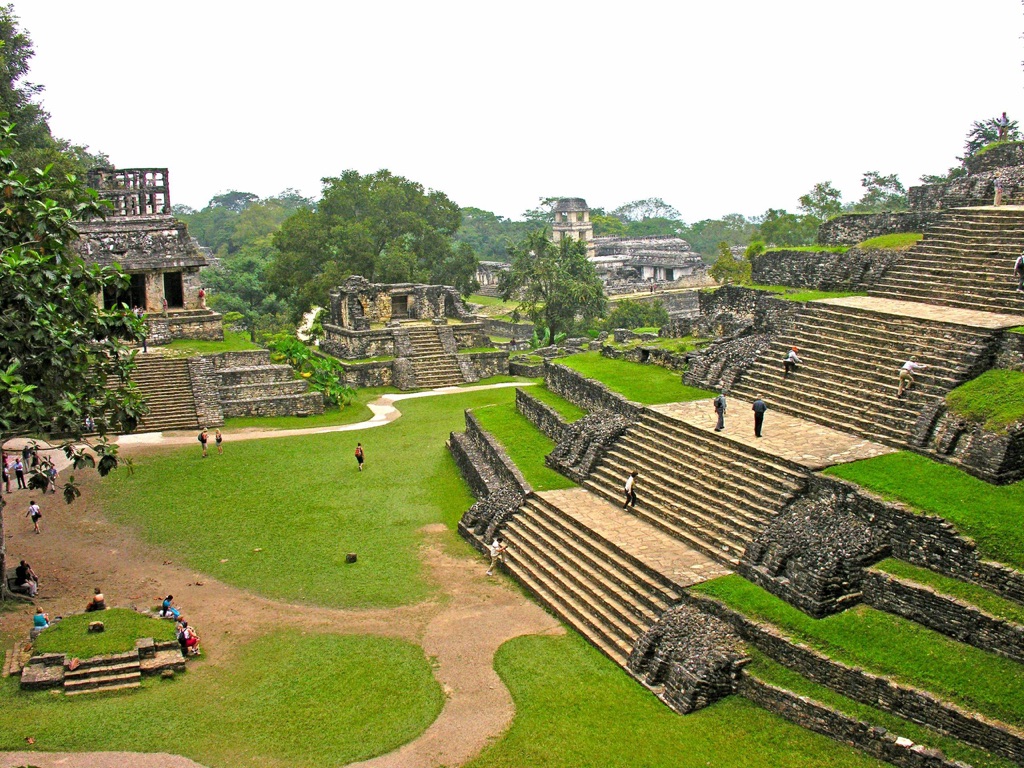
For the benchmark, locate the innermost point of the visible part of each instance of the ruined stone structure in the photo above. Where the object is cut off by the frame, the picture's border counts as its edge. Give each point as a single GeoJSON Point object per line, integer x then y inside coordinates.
{"type": "Point", "coordinates": [572, 219]}
{"type": "Point", "coordinates": [487, 275]}
{"type": "Point", "coordinates": [155, 249]}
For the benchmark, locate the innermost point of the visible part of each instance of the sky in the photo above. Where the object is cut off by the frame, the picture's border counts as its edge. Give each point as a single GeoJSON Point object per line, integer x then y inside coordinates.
{"type": "Point", "coordinates": [731, 106]}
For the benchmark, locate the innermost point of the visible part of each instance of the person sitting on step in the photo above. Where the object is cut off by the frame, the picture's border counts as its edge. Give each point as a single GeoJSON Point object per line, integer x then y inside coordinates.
{"type": "Point", "coordinates": [167, 610]}
{"type": "Point", "coordinates": [98, 602]}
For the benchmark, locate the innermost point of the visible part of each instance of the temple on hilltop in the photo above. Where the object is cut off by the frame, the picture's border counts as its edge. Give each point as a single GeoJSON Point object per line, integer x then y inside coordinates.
{"type": "Point", "coordinates": [630, 264]}
{"type": "Point", "coordinates": [154, 248]}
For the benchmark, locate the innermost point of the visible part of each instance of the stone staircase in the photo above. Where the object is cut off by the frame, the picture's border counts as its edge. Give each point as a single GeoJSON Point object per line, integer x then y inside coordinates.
{"type": "Point", "coordinates": [250, 385]}
{"type": "Point", "coordinates": [605, 572]}
{"type": "Point", "coordinates": [851, 358]}
{"type": "Point", "coordinates": [966, 260]}
{"type": "Point", "coordinates": [709, 492]}
{"type": "Point", "coordinates": [432, 365]}
{"type": "Point", "coordinates": [104, 673]}
{"type": "Point", "coordinates": [166, 384]}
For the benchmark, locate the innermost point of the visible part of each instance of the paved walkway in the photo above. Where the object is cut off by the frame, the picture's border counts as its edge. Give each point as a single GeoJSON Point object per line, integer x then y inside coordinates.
{"type": "Point", "coordinates": [796, 440]}
{"type": "Point", "coordinates": [653, 547]}
{"type": "Point", "coordinates": [934, 312]}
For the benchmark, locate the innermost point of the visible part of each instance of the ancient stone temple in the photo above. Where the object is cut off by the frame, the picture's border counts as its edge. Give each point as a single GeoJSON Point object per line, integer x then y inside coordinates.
{"type": "Point", "coordinates": [572, 219]}
{"type": "Point", "coordinates": [142, 236]}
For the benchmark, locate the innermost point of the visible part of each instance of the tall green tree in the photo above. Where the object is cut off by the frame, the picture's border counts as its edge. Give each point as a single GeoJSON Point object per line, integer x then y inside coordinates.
{"type": "Point", "coordinates": [985, 132]}
{"type": "Point", "coordinates": [881, 193]}
{"type": "Point", "coordinates": [648, 208]}
{"type": "Point", "coordinates": [555, 284]}
{"type": "Point", "coordinates": [380, 226]}
{"type": "Point", "coordinates": [62, 358]}
{"type": "Point", "coordinates": [823, 201]}
{"type": "Point", "coordinates": [779, 227]}
{"type": "Point", "coordinates": [239, 285]}
{"type": "Point", "coordinates": [729, 270]}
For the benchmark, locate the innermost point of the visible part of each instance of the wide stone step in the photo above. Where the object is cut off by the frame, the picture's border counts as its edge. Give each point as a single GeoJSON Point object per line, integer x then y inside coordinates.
{"type": "Point", "coordinates": [264, 374]}
{"type": "Point", "coordinates": [887, 322]}
{"type": "Point", "coordinates": [243, 391]}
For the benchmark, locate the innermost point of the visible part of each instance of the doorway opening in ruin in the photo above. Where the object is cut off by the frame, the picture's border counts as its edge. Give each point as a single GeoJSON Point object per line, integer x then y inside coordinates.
{"type": "Point", "coordinates": [173, 292]}
{"type": "Point", "coordinates": [399, 307]}
{"type": "Point", "coordinates": [645, 355]}
{"type": "Point", "coordinates": [133, 296]}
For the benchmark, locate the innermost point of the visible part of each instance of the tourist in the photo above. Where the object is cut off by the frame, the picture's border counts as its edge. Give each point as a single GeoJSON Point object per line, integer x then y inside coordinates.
{"type": "Point", "coordinates": [19, 474]}
{"type": "Point", "coordinates": [6, 472]}
{"type": "Point", "coordinates": [204, 438]}
{"type": "Point", "coordinates": [907, 375]}
{"type": "Point", "coordinates": [187, 639]}
{"type": "Point", "coordinates": [789, 364]}
{"type": "Point", "coordinates": [630, 489]}
{"type": "Point", "coordinates": [359, 456]}
{"type": "Point", "coordinates": [25, 579]}
{"type": "Point", "coordinates": [35, 514]}
{"type": "Point", "coordinates": [1003, 124]}
{"type": "Point", "coordinates": [999, 188]}
{"type": "Point", "coordinates": [51, 477]}
{"type": "Point", "coordinates": [202, 299]}
{"type": "Point", "coordinates": [1018, 272]}
{"type": "Point", "coordinates": [97, 603]}
{"type": "Point", "coordinates": [759, 407]}
{"type": "Point", "coordinates": [720, 406]}
{"type": "Point", "coordinates": [218, 438]}
{"type": "Point", "coordinates": [167, 610]}
{"type": "Point", "coordinates": [497, 552]}
{"type": "Point", "coordinates": [40, 621]}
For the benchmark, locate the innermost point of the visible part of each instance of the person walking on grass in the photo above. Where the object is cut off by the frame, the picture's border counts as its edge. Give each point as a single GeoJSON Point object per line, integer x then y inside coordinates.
{"type": "Point", "coordinates": [630, 490]}
{"type": "Point", "coordinates": [35, 514]}
{"type": "Point", "coordinates": [218, 438]}
{"type": "Point", "coordinates": [359, 456]}
{"type": "Point", "coordinates": [204, 438]}
{"type": "Point", "coordinates": [759, 407]}
{"type": "Point", "coordinates": [497, 552]}
{"type": "Point", "coordinates": [907, 375]}
{"type": "Point", "coordinates": [720, 406]}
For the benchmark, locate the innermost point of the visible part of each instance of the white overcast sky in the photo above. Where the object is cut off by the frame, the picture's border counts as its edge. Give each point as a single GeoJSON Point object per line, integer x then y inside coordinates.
{"type": "Point", "coordinates": [718, 106]}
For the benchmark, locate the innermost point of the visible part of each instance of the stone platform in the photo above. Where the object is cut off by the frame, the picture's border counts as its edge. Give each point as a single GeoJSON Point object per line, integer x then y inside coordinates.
{"type": "Point", "coordinates": [802, 442]}
{"type": "Point", "coordinates": [934, 312]}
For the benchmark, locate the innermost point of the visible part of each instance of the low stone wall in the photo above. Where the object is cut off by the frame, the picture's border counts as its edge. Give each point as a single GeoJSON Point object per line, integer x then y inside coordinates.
{"type": "Point", "coordinates": [820, 718]}
{"type": "Point", "coordinates": [468, 335]}
{"type": "Point", "coordinates": [878, 691]}
{"type": "Point", "coordinates": [619, 288]}
{"type": "Point", "coordinates": [853, 228]}
{"type": "Point", "coordinates": [676, 303]}
{"type": "Point", "coordinates": [379, 374]}
{"type": "Point", "coordinates": [529, 370]}
{"type": "Point", "coordinates": [587, 394]}
{"type": "Point", "coordinates": [992, 456]}
{"type": "Point", "coordinates": [540, 414]}
{"type": "Point", "coordinates": [855, 270]}
{"type": "Point", "coordinates": [925, 540]}
{"type": "Point", "coordinates": [163, 329]}
{"type": "Point", "coordinates": [1008, 155]}
{"type": "Point", "coordinates": [674, 361]}
{"type": "Point", "coordinates": [584, 442]}
{"type": "Point", "coordinates": [943, 613]}
{"type": "Point", "coordinates": [498, 460]}
{"type": "Point", "coordinates": [1010, 353]}
{"type": "Point", "coordinates": [202, 373]}
{"type": "Point", "coordinates": [247, 359]}
{"type": "Point", "coordinates": [732, 308]}
{"type": "Point", "coordinates": [483, 365]}
{"type": "Point", "coordinates": [307, 404]}
{"type": "Point", "coordinates": [347, 344]}
{"type": "Point", "coordinates": [507, 330]}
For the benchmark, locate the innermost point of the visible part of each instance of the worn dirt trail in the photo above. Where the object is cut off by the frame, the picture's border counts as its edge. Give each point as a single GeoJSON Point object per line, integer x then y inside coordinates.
{"type": "Point", "coordinates": [461, 630]}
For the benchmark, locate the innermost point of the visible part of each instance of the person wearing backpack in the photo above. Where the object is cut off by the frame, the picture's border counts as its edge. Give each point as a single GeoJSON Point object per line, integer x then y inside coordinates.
{"type": "Point", "coordinates": [203, 438]}
{"type": "Point", "coordinates": [1018, 272]}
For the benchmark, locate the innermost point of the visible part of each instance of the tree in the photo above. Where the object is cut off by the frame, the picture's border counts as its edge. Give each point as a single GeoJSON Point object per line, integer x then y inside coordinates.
{"type": "Point", "coordinates": [62, 358]}
{"type": "Point", "coordinates": [823, 201]}
{"type": "Point", "coordinates": [985, 132]}
{"type": "Point", "coordinates": [727, 269]}
{"type": "Point", "coordinates": [881, 193]}
{"type": "Point", "coordinates": [705, 235]}
{"type": "Point", "coordinates": [555, 284]}
{"type": "Point", "coordinates": [380, 226]}
{"type": "Point", "coordinates": [780, 228]}
{"type": "Point", "coordinates": [636, 314]}
{"type": "Point", "coordinates": [649, 208]}
{"type": "Point", "coordinates": [239, 286]}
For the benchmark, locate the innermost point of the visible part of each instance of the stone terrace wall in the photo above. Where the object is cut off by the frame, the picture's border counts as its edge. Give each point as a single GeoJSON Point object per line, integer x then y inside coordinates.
{"type": "Point", "coordinates": [588, 395]}
{"type": "Point", "coordinates": [733, 308]}
{"type": "Point", "coordinates": [674, 361]}
{"type": "Point", "coordinates": [853, 228]}
{"type": "Point", "coordinates": [380, 374]}
{"type": "Point", "coordinates": [855, 270]}
{"type": "Point", "coordinates": [505, 329]}
{"type": "Point", "coordinates": [497, 459]}
{"type": "Point", "coordinates": [202, 373]}
{"type": "Point", "coordinates": [676, 303]}
{"type": "Point", "coordinates": [540, 414]}
{"type": "Point", "coordinates": [823, 719]}
{"type": "Point", "coordinates": [945, 614]}
{"type": "Point", "coordinates": [1007, 155]}
{"type": "Point", "coordinates": [483, 365]}
{"type": "Point", "coordinates": [925, 540]}
{"type": "Point", "coordinates": [857, 684]}
{"type": "Point", "coordinates": [353, 345]}
{"type": "Point", "coordinates": [995, 457]}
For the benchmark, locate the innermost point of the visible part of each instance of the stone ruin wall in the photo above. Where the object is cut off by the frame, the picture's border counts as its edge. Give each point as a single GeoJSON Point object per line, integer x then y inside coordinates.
{"type": "Point", "coordinates": [852, 228]}
{"type": "Point", "coordinates": [855, 270]}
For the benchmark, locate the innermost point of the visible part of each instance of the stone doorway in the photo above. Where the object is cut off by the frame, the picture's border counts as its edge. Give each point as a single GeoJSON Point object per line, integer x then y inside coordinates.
{"type": "Point", "coordinates": [134, 296]}
{"type": "Point", "coordinates": [173, 291]}
{"type": "Point", "coordinates": [399, 307]}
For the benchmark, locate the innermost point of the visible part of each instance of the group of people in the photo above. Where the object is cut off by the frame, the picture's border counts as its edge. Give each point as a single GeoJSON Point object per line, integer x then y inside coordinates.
{"type": "Point", "coordinates": [204, 438]}
{"type": "Point", "coordinates": [18, 468]}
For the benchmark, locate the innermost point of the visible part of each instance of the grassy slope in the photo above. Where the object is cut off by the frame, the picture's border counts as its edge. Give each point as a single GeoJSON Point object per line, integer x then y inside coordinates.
{"type": "Point", "coordinates": [304, 505]}
{"type": "Point", "coordinates": [804, 294]}
{"type": "Point", "coordinates": [996, 398]}
{"type": "Point", "coordinates": [122, 627]}
{"type": "Point", "coordinates": [568, 411]}
{"type": "Point", "coordinates": [234, 341]}
{"type": "Point", "coordinates": [899, 241]}
{"type": "Point", "coordinates": [575, 708]}
{"type": "Point", "coordinates": [989, 514]}
{"type": "Point", "coordinates": [889, 645]}
{"type": "Point", "coordinates": [526, 445]}
{"type": "Point", "coordinates": [269, 707]}
{"type": "Point", "coordinates": [776, 674]}
{"type": "Point", "coordinates": [646, 384]}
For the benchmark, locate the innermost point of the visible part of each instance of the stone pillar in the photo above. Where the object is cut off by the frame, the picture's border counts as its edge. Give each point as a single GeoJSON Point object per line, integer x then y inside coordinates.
{"type": "Point", "coordinates": [154, 292]}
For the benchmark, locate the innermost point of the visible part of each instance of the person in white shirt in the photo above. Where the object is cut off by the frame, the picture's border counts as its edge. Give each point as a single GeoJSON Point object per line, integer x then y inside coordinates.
{"type": "Point", "coordinates": [497, 551]}
{"type": "Point", "coordinates": [907, 375]}
{"type": "Point", "coordinates": [789, 364]}
{"type": "Point", "coordinates": [630, 490]}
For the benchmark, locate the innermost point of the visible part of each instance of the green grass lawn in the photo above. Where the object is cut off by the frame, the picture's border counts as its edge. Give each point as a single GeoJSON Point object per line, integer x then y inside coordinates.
{"type": "Point", "coordinates": [669, 344]}
{"type": "Point", "coordinates": [122, 627]}
{"type": "Point", "coordinates": [889, 645]}
{"type": "Point", "coordinates": [646, 384]}
{"type": "Point", "coordinates": [971, 593]}
{"type": "Point", "coordinates": [804, 294]}
{"type": "Point", "coordinates": [989, 514]}
{"type": "Point", "coordinates": [303, 505]}
{"type": "Point", "coordinates": [525, 444]}
{"type": "Point", "coordinates": [576, 708]}
{"type": "Point", "coordinates": [234, 341]}
{"type": "Point", "coordinates": [996, 399]}
{"type": "Point", "coordinates": [898, 242]}
{"type": "Point", "coordinates": [352, 413]}
{"type": "Point", "coordinates": [491, 301]}
{"type": "Point", "coordinates": [771, 672]}
{"type": "Point", "coordinates": [810, 248]}
{"type": "Point", "coordinates": [270, 707]}
{"type": "Point", "coordinates": [568, 411]}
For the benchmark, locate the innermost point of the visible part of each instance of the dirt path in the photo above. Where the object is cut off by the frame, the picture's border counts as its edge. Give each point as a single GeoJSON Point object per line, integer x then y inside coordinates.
{"type": "Point", "coordinates": [462, 630]}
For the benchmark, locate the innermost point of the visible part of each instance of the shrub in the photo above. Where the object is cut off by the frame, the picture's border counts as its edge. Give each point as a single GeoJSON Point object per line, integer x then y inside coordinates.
{"type": "Point", "coordinates": [324, 374]}
{"type": "Point", "coordinates": [636, 314]}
